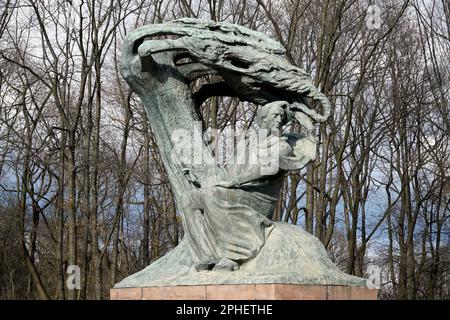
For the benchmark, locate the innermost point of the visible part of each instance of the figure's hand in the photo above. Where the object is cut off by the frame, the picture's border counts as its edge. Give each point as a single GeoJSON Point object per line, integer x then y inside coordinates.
{"type": "Point", "coordinates": [191, 177]}
{"type": "Point", "coordinates": [304, 120]}
{"type": "Point", "coordinates": [227, 184]}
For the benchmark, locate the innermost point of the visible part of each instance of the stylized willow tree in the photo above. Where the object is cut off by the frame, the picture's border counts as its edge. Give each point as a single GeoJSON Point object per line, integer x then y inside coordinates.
{"type": "Point", "coordinates": [159, 62]}
{"type": "Point", "coordinates": [252, 66]}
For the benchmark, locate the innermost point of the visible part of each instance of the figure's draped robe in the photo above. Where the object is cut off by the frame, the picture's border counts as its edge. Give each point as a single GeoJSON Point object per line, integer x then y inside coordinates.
{"type": "Point", "coordinates": [234, 223]}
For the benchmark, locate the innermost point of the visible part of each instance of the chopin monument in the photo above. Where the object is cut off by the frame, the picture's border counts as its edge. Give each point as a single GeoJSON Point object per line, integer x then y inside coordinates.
{"type": "Point", "coordinates": [231, 249]}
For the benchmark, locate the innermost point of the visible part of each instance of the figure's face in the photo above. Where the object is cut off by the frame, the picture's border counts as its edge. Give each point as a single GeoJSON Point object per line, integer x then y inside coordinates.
{"type": "Point", "coordinates": [276, 118]}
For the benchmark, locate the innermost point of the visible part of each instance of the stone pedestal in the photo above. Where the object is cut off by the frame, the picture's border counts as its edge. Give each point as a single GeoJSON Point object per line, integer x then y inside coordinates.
{"type": "Point", "coordinates": [246, 292]}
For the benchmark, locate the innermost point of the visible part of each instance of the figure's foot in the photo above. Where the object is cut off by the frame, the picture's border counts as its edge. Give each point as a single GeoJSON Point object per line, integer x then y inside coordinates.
{"type": "Point", "coordinates": [205, 264]}
{"type": "Point", "coordinates": [226, 264]}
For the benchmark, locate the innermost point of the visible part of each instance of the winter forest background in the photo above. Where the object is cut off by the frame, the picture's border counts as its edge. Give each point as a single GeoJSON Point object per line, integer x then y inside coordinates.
{"type": "Point", "coordinates": [81, 181]}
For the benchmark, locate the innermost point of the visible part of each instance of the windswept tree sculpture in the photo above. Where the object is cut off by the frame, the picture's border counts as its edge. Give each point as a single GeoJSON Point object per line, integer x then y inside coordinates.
{"type": "Point", "coordinates": [252, 66]}
{"type": "Point", "coordinates": [227, 210]}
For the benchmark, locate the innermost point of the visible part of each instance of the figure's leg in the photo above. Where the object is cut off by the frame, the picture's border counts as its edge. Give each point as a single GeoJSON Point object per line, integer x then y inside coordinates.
{"type": "Point", "coordinates": [201, 239]}
{"type": "Point", "coordinates": [227, 265]}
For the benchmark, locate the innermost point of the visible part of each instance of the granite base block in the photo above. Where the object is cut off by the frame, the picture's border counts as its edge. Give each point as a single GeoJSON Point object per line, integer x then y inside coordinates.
{"type": "Point", "coordinates": [246, 292]}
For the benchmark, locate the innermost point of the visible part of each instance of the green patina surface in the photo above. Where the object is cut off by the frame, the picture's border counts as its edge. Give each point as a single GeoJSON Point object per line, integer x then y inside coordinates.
{"type": "Point", "coordinates": [230, 237]}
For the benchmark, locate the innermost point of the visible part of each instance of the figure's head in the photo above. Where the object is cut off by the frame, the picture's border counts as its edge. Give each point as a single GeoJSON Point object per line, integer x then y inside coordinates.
{"type": "Point", "coordinates": [273, 115]}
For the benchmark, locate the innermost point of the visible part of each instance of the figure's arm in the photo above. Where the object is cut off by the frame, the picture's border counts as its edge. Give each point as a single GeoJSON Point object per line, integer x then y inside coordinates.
{"type": "Point", "coordinates": [252, 174]}
{"type": "Point", "coordinates": [304, 120]}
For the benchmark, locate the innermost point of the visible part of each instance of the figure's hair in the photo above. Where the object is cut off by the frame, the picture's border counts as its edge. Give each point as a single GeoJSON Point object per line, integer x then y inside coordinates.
{"type": "Point", "coordinates": [264, 110]}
